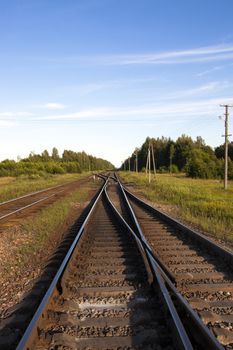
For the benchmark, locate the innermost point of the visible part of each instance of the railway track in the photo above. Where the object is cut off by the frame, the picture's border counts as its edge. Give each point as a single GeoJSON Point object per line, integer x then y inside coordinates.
{"type": "Point", "coordinates": [106, 300]}
{"type": "Point", "coordinates": [101, 296]}
{"type": "Point", "coordinates": [201, 269]}
{"type": "Point", "coordinates": [113, 290]}
{"type": "Point", "coordinates": [14, 209]}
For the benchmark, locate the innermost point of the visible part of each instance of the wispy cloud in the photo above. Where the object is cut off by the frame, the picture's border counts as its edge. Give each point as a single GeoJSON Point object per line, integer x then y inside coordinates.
{"type": "Point", "coordinates": [92, 87]}
{"type": "Point", "coordinates": [178, 106]}
{"type": "Point", "coordinates": [54, 106]}
{"type": "Point", "coordinates": [208, 71]}
{"type": "Point", "coordinates": [203, 54]}
{"type": "Point", "coordinates": [50, 106]}
{"type": "Point", "coordinates": [212, 87]}
{"type": "Point", "coordinates": [13, 115]}
{"type": "Point", "coordinates": [188, 109]}
{"type": "Point", "coordinates": [214, 69]}
{"type": "Point", "coordinates": [200, 54]}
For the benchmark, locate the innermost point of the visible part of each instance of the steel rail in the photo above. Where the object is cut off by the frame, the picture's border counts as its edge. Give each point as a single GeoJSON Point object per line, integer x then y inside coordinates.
{"type": "Point", "coordinates": [203, 334]}
{"type": "Point", "coordinates": [56, 280]}
{"type": "Point", "coordinates": [183, 341]}
{"type": "Point", "coordinates": [103, 177]}
{"type": "Point", "coordinates": [37, 192]}
{"type": "Point", "coordinates": [208, 242]}
{"type": "Point", "coordinates": [28, 206]}
{"type": "Point", "coordinates": [160, 276]}
{"type": "Point", "coordinates": [33, 203]}
{"type": "Point", "coordinates": [143, 239]}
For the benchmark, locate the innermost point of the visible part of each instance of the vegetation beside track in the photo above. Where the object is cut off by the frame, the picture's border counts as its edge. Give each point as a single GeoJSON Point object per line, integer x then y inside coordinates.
{"type": "Point", "coordinates": [193, 157]}
{"type": "Point", "coordinates": [13, 187]}
{"type": "Point", "coordinates": [38, 165]}
{"type": "Point", "coordinates": [203, 203]}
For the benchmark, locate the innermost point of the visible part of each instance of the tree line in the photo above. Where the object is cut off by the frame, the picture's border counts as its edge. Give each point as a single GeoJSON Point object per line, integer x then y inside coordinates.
{"type": "Point", "coordinates": [44, 163]}
{"type": "Point", "coordinates": [193, 157]}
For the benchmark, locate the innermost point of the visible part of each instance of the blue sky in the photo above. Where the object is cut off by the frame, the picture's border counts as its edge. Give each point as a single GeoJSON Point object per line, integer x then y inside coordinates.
{"type": "Point", "coordinates": [102, 75]}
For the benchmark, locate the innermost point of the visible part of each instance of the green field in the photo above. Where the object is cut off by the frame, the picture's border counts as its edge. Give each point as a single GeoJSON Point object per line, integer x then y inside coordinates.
{"type": "Point", "coordinates": [203, 203]}
{"type": "Point", "coordinates": [12, 187]}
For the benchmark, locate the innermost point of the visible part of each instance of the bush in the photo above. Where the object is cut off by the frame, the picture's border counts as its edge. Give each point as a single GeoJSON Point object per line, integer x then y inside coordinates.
{"type": "Point", "coordinates": [54, 168]}
{"type": "Point", "coordinates": [71, 167]}
{"type": "Point", "coordinates": [33, 176]}
{"type": "Point", "coordinates": [39, 165]}
{"type": "Point", "coordinates": [201, 165]}
{"type": "Point", "coordinates": [163, 170]}
{"type": "Point", "coordinates": [174, 169]}
{"type": "Point", "coordinates": [230, 169]}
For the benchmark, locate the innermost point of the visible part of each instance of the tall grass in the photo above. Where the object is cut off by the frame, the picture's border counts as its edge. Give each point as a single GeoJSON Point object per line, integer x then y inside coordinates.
{"type": "Point", "coordinates": [201, 202]}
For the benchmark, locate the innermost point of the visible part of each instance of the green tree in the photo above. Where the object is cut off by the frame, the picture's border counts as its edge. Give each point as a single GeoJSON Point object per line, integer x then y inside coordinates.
{"type": "Point", "coordinates": [201, 164]}
{"type": "Point", "coordinates": [171, 155]}
{"type": "Point", "coordinates": [55, 154]}
{"type": "Point", "coordinates": [220, 151]}
{"type": "Point", "coordinates": [184, 144]}
{"type": "Point", "coordinates": [45, 155]}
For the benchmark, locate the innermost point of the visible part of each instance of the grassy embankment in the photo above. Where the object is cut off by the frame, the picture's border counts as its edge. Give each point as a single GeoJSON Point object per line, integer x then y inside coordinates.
{"type": "Point", "coordinates": [203, 203]}
{"type": "Point", "coordinates": [35, 233]}
{"type": "Point", "coordinates": [12, 187]}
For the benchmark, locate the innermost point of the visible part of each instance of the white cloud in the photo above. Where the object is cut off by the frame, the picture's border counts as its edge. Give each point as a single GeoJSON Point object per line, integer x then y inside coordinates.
{"type": "Point", "coordinates": [200, 54]}
{"type": "Point", "coordinates": [88, 88]}
{"type": "Point", "coordinates": [53, 106]}
{"type": "Point", "coordinates": [203, 54]}
{"type": "Point", "coordinates": [153, 112]}
{"type": "Point", "coordinates": [206, 88]}
{"type": "Point", "coordinates": [15, 114]}
{"type": "Point", "coordinates": [214, 69]}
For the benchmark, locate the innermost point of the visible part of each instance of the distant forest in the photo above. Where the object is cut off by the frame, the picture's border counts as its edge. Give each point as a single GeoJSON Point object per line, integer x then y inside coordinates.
{"type": "Point", "coordinates": [193, 157]}
{"type": "Point", "coordinates": [44, 163]}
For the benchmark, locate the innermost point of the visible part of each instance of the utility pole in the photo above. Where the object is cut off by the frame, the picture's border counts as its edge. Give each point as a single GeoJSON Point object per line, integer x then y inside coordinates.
{"type": "Point", "coordinates": [150, 154]}
{"type": "Point", "coordinates": [153, 158]}
{"type": "Point", "coordinates": [149, 163]}
{"type": "Point", "coordinates": [226, 144]}
{"type": "Point", "coordinates": [129, 163]}
{"type": "Point", "coordinates": [136, 160]}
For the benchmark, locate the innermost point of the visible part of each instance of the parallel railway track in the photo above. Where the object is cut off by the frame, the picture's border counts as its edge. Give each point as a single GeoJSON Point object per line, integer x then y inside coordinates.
{"type": "Point", "coordinates": [116, 288]}
{"type": "Point", "coordinates": [201, 269]}
{"type": "Point", "coordinates": [16, 208]}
